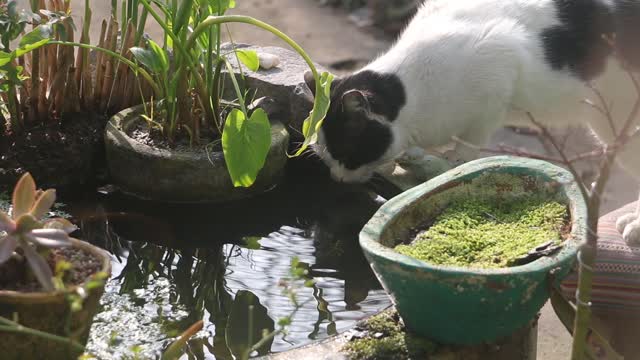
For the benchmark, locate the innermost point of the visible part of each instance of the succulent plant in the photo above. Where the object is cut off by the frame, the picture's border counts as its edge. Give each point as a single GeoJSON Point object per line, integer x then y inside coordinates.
{"type": "Point", "coordinates": [25, 231]}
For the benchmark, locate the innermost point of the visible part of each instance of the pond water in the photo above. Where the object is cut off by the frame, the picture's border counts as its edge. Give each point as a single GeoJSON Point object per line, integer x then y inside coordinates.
{"type": "Point", "coordinates": [175, 264]}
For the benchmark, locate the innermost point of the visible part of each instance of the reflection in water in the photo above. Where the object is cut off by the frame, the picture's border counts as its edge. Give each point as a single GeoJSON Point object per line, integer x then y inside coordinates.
{"type": "Point", "coordinates": [174, 265]}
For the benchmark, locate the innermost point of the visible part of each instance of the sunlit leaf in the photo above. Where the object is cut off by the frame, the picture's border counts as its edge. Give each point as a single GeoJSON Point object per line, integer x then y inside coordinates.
{"type": "Point", "coordinates": [43, 204]}
{"type": "Point", "coordinates": [147, 58]}
{"type": "Point", "coordinates": [252, 242]}
{"type": "Point", "coordinates": [160, 54]}
{"type": "Point", "coordinates": [246, 145]}
{"type": "Point", "coordinates": [5, 58]}
{"type": "Point", "coordinates": [39, 267]}
{"type": "Point", "coordinates": [60, 223]}
{"type": "Point", "coordinates": [26, 223]}
{"type": "Point", "coordinates": [249, 58]}
{"type": "Point", "coordinates": [285, 321]}
{"type": "Point", "coordinates": [321, 104]}
{"type": "Point", "coordinates": [221, 6]}
{"type": "Point", "coordinates": [24, 195]}
{"type": "Point", "coordinates": [50, 238]}
{"type": "Point", "coordinates": [34, 39]}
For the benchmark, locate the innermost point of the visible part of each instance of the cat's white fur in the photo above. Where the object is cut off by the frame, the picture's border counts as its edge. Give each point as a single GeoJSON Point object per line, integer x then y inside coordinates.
{"type": "Point", "coordinates": [471, 67]}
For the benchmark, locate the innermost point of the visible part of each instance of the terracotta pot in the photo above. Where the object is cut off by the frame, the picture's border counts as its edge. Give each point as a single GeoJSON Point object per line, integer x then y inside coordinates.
{"type": "Point", "coordinates": [50, 312]}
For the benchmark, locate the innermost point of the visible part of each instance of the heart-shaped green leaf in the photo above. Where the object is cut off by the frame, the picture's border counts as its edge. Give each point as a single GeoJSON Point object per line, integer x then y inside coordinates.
{"type": "Point", "coordinates": [321, 104]}
{"type": "Point", "coordinates": [249, 58]}
{"type": "Point", "coordinates": [246, 143]}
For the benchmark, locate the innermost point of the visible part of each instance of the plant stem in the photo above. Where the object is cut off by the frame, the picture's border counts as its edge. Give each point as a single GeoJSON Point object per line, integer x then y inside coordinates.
{"type": "Point", "coordinates": [216, 20]}
{"type": "Point", "coordinates": [13, 327]}
{"type": "Point", "coordinates": [131, 64]}
{"type": "Point", "coordinates": [236, 86]}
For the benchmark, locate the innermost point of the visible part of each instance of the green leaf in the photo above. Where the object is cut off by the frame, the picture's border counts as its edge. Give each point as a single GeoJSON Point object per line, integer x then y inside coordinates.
{"type": "Point", "coordinates": [285, 321]}
{"type": "Point", "coordinates": [321, 104]}
{"type": "Point", "coordinates": [246, 144]}
{"type": "Point", "coordinates": [147, 58]}
{"type": "Point", "coordinates": [223, 6]}
{"type": "Point", "coordinates": [5, 58]}
{"type": "Point", "coordinates": [252, 242]}
{"type": "Point", "coordinates": [160, 54]}
{"type": "Point", "coordinates": [34, 39]}
{"type": "Point", "coordinates": [249, 58]}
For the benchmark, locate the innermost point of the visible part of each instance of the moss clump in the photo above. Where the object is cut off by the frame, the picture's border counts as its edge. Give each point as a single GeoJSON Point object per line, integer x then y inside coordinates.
{"type": "Point", "coordinates": [488, 232]}
{"type": "Point", "coordinates": [385, 338]}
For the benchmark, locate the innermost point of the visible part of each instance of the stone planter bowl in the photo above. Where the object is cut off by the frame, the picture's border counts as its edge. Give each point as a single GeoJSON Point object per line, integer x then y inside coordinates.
{"type": "Point", "coordinates": [465, 306]}
{"type": "Point", "coordinates": [50, 312]}
{"type": "Point", "coordinates": [182, 176]}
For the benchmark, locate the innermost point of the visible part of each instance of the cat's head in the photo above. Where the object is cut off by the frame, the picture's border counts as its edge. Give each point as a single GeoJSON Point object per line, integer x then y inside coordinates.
{"type": "Point", "coordinates": [357, 136]}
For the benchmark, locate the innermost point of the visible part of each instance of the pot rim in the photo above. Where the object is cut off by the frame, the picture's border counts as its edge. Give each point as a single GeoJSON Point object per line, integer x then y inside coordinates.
{"type": "Point", "coordinates": [370, 234]}
{"type": "Point", "coordinates": [43, 297]}
{"type": "Point", "coordinates": [133, 114]}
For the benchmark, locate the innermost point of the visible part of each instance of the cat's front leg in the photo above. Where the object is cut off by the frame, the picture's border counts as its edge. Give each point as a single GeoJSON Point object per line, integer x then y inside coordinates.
{"type": "Point", "coordinates": [629, 226]}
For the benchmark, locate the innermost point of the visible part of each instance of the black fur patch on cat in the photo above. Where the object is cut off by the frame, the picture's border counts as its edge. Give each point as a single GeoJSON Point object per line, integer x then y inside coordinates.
{"type": "Point", "coordinates": [353, 139]}
{"type": "Point", "coordinates": [627, 24]}
{"type": "Point", "coordinates": [577, 41]}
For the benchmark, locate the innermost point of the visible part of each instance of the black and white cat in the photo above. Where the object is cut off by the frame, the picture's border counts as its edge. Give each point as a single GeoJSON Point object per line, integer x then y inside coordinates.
{"type": "Point", "coordinates": [466, 68]}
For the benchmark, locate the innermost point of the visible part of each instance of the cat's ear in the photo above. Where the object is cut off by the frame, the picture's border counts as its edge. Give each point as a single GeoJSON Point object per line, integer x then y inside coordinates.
{"type": "Point", "coordinates": [355, 101]}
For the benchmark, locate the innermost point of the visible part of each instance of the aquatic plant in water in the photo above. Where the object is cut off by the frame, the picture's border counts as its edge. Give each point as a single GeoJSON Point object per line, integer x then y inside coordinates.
{"type": "Point", "coordinates": [488, 233]}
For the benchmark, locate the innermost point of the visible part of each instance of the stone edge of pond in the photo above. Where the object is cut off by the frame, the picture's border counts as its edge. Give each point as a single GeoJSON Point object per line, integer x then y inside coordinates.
{"type": "Point", "coordinates": [327, 349]}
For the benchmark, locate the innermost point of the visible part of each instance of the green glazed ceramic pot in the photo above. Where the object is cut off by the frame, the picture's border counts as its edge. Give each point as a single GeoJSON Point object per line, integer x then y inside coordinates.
{"type": "Point", "coordinates": [467, 306]}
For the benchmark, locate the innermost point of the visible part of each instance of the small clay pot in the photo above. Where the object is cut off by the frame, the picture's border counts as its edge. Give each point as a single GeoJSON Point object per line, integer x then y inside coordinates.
{"type": "Point", "coordinates": [50, 312]}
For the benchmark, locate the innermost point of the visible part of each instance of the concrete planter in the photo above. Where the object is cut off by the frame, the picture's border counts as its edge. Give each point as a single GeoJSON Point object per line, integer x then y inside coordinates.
{"type": "Point", "coordinates": [453, 305]}
{"type": "Point", "coordinates": [51, 313]}
{"type": "Point", "coordinates": [182, 176]}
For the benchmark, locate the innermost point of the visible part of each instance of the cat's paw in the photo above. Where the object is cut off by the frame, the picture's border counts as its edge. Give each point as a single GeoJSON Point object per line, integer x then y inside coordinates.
{"type": "Point", "coordinates": [629, 226]}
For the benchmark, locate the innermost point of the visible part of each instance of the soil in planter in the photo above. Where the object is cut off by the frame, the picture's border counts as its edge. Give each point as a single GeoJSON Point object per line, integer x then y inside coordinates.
{"type": "Point", "coordinates": [153, 136]}
{"type": "Point", "coordinates": [62, 153]}
{"type": "Point", "coordinates": [490, 232]}
{"type": "Point", "coordinates": [15, 277]}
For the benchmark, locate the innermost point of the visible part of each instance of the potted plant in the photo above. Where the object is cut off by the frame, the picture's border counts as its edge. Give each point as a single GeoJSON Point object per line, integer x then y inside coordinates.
{"type": "Point", "coordinates": [53, 99]}
{"type": "Point", "coordinates": [186, 144]}
{"type": "Point", "coordinates": [468, 304]}
{"type": "Point", "coordinates": [50, 283]}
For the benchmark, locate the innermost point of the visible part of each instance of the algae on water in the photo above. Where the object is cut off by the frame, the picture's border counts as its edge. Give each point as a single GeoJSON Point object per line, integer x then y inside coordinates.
{"type": "Point", "coordinates": [488, 232]}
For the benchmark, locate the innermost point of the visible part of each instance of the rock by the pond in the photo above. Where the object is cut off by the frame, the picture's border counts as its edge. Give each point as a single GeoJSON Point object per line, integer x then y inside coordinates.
{"type": "Point", "coordinates": [283, 82]}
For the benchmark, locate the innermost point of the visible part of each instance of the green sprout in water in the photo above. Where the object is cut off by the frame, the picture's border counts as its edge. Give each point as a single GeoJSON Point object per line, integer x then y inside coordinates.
{"type": "Point", "coordinates": [488, 234]}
